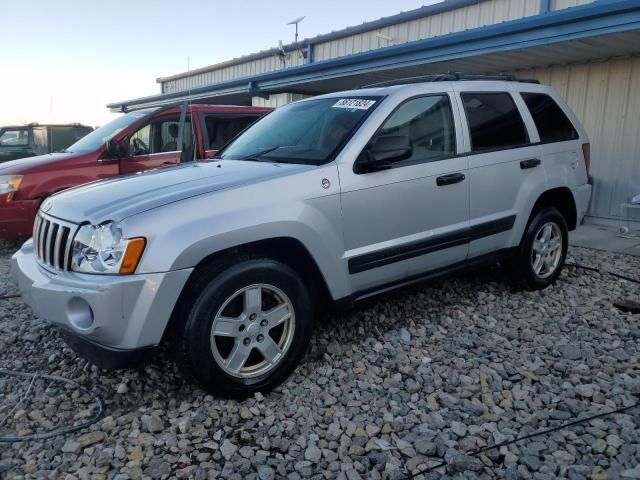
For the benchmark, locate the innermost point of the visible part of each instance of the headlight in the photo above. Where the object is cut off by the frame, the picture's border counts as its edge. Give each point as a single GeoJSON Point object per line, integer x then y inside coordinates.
{"type": "Point", "coordinates": [9, 184]}
{"type": "Point", "coordinates": [103, 249]}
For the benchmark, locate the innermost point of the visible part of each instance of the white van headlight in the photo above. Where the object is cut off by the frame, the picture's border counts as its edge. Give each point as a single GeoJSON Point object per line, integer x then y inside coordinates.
{"type": "Point", "coordinates": [103, 249]}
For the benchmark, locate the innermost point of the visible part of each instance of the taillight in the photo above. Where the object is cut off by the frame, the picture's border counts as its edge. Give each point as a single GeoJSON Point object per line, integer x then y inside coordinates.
{"type": "Point", "coordinates": [586, 151]}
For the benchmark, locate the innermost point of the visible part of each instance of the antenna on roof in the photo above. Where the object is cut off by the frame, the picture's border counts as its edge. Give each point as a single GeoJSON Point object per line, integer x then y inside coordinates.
{"type": "Point", "coordinates": [281, 53]}
{"type": "Point", "coordinates": [296, 22]}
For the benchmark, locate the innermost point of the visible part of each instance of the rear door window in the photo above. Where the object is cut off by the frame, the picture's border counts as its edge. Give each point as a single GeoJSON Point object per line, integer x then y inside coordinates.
{"type": "Point", "coordinates": [494, 121]}
{"type": "Point", "coordinates": [551, 121]}
{"type": "Point", "coordinates": [222, 130]}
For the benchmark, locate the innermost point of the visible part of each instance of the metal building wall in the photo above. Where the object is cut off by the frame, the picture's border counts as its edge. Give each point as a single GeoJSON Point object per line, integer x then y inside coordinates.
{"type": "Point", "coordinates": [245, 69]}
{"type": "Point", "coordinates": [481, 14]}
{"type": "Point", "coordinates": [485, 12]}
{"type": "Point", "coordinates": [560, 4]}
{"type": "Point", "coordinates": [277, 100]}
{"type": "Point", "coordinates": [606, 98]}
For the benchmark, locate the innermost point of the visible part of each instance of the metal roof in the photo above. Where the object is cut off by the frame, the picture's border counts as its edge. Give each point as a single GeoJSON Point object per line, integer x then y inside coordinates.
{"type": "Point", "coordinates": [600, 30]}
{"type": "Point", "coordinates": [424, 11]}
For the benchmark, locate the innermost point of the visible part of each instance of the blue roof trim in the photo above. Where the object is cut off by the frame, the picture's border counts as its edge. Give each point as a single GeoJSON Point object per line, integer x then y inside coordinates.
{"type": "Point", "coordinates": [604, 16]}
{"type": "Point", "coordinates": [545, 6]}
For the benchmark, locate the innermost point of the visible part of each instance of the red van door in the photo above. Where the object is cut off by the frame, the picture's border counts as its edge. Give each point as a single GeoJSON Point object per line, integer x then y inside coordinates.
{"type": "Point", "coordinates": [156, 145]}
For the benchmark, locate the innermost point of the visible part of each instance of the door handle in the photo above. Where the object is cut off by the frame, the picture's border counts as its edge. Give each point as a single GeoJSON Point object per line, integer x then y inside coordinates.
{"type": "Point", "coordinates": [450, 179]}
{"type": "Point", "coordinates": [531, 163]}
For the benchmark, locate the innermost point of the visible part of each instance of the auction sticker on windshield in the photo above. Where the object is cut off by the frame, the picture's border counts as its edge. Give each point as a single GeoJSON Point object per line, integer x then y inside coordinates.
{"type": "Point", "coordinates": [357, 103]}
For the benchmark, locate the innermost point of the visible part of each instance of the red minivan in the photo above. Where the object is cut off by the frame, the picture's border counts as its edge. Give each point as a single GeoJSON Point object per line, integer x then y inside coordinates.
{"type": "Point", "coordinates": [139, 140]}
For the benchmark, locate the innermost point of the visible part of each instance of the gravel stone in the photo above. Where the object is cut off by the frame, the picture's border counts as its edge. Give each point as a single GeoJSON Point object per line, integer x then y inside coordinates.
{"type": "Point", "coordinates": [459, 428]}
{"type": "Point", "coordinates": [570, 352]}
{"type": "Point", "coordinates": [416, 378]}
{"type": "Point", "coordinates": [313, 454]}
{"type": "Point", "coordinates": [459, 462]}
{"type": "Point", "coordinates": [228, 449]}
{"type": "Point", "coordinates": [405, 336]}
{"type": "Point", "coordinates": [152, 423]}
{"type": "Point", "coordinates": [266, 473]}
{"type": "Point", "coordinates": [157, 468]}
{"type": "Point", "coordinates": [91, 438]}
{"type": "Point", "coordinates": [71, 446]}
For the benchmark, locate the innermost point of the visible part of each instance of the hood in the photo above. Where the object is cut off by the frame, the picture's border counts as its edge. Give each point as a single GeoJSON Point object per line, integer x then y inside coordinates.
{"type": "Point", "coordinates": [24, 165]}
{"type": "Point", "coordinates": [121, 197]}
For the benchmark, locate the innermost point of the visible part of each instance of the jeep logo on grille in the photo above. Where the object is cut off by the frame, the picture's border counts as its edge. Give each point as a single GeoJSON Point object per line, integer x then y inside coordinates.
{"type": "Point", "coordinates": [46, 207]}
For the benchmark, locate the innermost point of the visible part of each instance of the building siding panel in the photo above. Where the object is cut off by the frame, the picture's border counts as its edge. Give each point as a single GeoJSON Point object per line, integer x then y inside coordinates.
{"type": "Point", "coordinates": [485, 13]}
{"type": "Point", "coordinates": [254, 67]}
{"type": "Point", "coordinates": [560, 4]}
{"type": "Point", "coordinates": [606, 98]}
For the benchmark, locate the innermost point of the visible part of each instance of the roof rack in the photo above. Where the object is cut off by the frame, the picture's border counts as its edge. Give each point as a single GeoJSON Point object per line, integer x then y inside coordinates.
{"type": "Point", "coordinates": [452, 77]}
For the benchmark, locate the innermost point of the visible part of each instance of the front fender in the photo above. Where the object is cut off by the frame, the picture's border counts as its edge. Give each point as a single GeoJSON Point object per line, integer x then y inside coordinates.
{"type": "Point", "coordinates": [183, 234]}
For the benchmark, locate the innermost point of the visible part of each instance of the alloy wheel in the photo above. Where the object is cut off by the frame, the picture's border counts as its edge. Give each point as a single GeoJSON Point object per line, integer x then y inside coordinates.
{"type": "Point", "coordinates": [547, 250]}
{"type": "Point", "coordinates": [253, 330]}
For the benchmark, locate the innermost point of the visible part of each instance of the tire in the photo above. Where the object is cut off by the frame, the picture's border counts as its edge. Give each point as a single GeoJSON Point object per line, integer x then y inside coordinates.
{"type": "Point", "coordinates": [239, 299]}
{"type": "Point", "coordinates": [537, 263]}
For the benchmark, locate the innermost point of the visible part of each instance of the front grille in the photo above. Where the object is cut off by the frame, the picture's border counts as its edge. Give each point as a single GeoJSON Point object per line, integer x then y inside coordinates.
{"type": "Point", "coordinates": [52, 240]}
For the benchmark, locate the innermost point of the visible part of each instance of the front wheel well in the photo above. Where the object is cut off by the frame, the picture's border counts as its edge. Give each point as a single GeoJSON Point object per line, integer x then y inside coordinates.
{"type": "Point", "coordinates": [289, 251]}
{"type": "Point", "coordinates": [562, 199]}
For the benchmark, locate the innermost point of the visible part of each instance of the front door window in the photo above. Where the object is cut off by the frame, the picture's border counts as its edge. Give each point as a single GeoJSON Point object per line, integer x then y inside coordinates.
{"type": "Point", "coordinates": [161, 136]}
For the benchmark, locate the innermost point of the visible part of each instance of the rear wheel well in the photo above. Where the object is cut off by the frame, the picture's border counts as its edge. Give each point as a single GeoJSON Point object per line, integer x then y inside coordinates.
{"type": "Point", "coordinates": [287, 250]}
{"type": "Point", "coordinates": [562, 199]}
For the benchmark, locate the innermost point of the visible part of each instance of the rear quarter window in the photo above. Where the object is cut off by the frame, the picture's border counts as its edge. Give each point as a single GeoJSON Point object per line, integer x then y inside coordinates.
{"type": "Point", "coordinates": [494, 121]}
{"type": "Point", "coordinates": [551, 121]}
{"type": "Point", "coordinates": [63, 137]}
{"type": "Point", "coordinates": [221, 130]}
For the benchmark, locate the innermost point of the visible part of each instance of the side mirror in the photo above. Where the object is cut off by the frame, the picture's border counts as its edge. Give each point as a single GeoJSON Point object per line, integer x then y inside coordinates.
{"type": "Point", "coordinates": [116, 149]}
{"type": "Point", "coordinates": [384, 151]}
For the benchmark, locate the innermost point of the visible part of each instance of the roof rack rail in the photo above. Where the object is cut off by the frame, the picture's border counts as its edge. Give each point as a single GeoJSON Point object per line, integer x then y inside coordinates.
{"type": "Point", "coordinates": [451, 77]}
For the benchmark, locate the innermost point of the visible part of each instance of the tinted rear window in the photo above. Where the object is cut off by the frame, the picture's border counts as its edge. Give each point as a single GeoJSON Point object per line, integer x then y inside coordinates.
{"type": "Point", "coordinates": [221, 130]}
{"type": "Point", "coordinates": [551, 122]}
{"type": "Point", "coordinates": [494, 121]}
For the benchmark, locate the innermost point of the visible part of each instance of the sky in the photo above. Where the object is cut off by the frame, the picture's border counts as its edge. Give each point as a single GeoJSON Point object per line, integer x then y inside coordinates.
{"type": "Point", "coordinates": [64, 60]}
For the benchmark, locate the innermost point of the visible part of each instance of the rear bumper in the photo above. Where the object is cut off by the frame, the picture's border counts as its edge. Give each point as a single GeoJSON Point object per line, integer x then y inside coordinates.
{"type": "Point", "coordinates": [582, 196]}
{"type": "Point", "coordinates": [16, 217]}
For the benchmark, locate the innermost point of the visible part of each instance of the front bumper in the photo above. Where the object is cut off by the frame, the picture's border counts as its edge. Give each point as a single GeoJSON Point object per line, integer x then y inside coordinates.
{"type": "Point", "coordinates": [108, 314]}
{"type": "Point", "coordinates": [16, 217]}
{"type": "Point", "coordinates": [107, 357]}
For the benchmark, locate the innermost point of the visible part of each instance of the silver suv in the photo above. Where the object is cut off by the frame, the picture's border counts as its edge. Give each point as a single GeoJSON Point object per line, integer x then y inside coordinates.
{"type": "Point", "coordinates": [326, 201]}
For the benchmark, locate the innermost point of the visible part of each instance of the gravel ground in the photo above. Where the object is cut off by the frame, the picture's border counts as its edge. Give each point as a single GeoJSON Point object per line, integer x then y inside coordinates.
{"type": "Point", "coordinates": [415, 379]}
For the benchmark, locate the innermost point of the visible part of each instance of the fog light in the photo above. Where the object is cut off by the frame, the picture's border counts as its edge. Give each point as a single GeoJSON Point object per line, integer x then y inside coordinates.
{"type": "Point", "coordinates": [80, 313]}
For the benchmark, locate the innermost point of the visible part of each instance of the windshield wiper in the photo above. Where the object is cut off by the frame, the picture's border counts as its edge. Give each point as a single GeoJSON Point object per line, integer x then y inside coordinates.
{"type": "Point", "coordinates": [256, 156]}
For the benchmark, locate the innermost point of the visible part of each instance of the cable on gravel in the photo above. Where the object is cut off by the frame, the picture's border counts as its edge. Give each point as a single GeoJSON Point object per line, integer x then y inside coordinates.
{"type": "Point", "coordinates": [100, 407]}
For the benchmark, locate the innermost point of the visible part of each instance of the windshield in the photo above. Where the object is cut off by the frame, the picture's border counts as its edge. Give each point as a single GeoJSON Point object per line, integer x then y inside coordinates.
{"type": "Point", "coordinates": [311, 131]}
{"type": "Point", "coordinates": [102, 135]}
{"type": "Point", "coordinates": [14, 137]}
